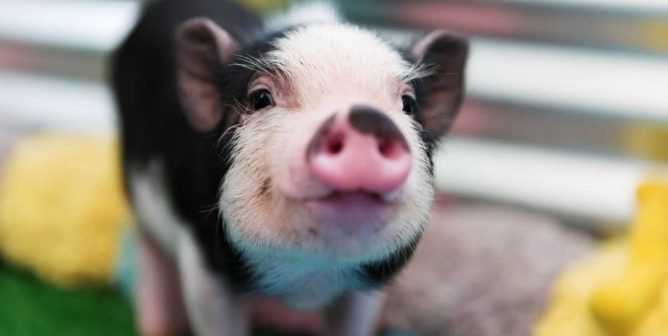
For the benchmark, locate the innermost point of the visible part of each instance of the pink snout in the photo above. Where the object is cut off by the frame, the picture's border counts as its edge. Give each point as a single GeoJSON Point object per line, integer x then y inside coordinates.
{"type": "Point", "coordinates": [360, 151]}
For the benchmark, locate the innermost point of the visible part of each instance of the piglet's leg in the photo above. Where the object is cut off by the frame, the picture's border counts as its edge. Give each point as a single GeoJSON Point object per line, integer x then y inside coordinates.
{"type": "Point", "coordinates": [213, 309]}
{"type": "Point", "coordinates": [159, 305]}
{"type": "Point", "coordinates": [355, 314]}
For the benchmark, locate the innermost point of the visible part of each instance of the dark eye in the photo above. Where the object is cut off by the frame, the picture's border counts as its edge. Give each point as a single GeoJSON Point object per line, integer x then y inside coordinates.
{"type": "Point", "coordinates": [409, 104]}
{"type": "Point", "coordinates": [261, 99]}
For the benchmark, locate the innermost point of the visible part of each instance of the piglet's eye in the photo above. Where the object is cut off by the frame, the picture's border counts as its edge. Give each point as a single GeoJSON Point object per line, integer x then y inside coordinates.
{"type": "Point", "coordinates": [261, 99]}
{"type": "Point", "coordinates": [409, 104]}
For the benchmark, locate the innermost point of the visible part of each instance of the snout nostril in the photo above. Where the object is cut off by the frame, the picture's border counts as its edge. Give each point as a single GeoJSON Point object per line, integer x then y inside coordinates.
{"type": "Point", "coordinates": [384, 148]}
{"type": "Point", "coordinates": [334, 145]}
{"type": "Point", "coordinates": [389, 149]}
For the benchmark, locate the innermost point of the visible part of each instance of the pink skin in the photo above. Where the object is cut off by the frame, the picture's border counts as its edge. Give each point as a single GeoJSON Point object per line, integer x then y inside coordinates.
{"type": "Point", "coordinates": [349, 161]}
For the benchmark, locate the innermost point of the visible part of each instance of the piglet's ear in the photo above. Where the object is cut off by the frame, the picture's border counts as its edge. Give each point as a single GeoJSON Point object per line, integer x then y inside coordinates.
{"type": "Point", "coordinates": [440, 94]}
{"type": "Point", "coordinates": [201, 46]}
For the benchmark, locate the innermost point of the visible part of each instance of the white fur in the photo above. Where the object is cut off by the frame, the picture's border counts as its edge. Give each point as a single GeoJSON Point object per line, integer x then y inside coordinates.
{"type": "Point", "coordinates": [152, 208]}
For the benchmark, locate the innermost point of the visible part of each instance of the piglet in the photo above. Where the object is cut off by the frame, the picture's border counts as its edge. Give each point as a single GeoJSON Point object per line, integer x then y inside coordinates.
{"type": "Point", "coordinates": [286, 160]}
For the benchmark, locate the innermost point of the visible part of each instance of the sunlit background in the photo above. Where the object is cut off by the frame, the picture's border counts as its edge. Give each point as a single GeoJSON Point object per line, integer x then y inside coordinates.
{"type": "Point", "coordinates": [566, 112]}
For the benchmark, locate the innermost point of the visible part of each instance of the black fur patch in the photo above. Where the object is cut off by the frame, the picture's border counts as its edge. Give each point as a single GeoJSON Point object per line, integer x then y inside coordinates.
{"type": "Point", "coordinates": [368, 120]}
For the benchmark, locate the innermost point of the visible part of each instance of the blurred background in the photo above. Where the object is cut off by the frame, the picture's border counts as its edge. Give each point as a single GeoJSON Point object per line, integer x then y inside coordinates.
{"type": "Point", "coordinates": [566, 115]}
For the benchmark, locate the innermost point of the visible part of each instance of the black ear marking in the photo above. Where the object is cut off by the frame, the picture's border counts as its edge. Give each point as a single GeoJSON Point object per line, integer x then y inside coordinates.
{"type": "Point", "coordinates": [440, 94]}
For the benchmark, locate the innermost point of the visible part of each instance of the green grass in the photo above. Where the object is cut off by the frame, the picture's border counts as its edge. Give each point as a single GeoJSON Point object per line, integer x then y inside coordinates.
{"type": "Point", "coordinates": [29, 307]}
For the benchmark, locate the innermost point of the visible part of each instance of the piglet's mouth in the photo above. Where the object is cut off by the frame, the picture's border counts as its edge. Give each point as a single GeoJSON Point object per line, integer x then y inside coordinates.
{"type": "Point", "coordinates": [353, 205]}
{"type": "Point", "coordinates": [355, 211]}
{"type": "Point", "coordinates": [357, 197]}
